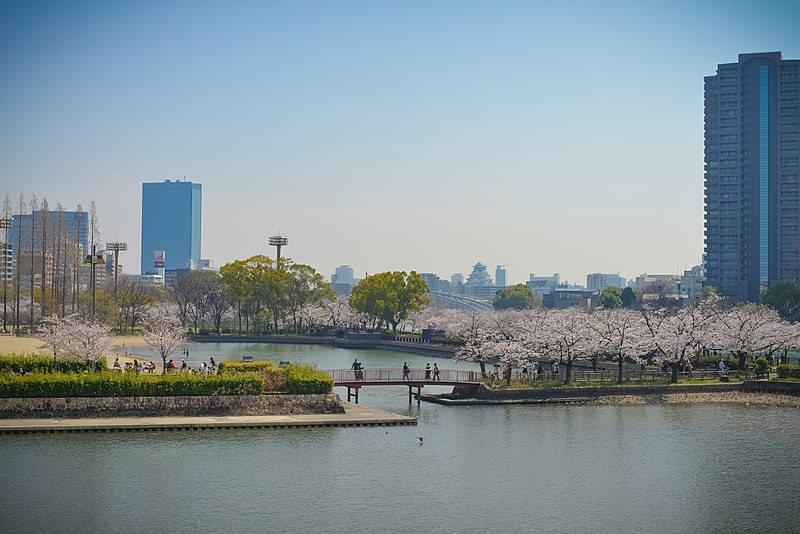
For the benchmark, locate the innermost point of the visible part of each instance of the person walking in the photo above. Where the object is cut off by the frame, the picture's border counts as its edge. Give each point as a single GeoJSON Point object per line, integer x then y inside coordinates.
{"type": "Point", "coordinates": [435, 371]}
{"type": "Point", "coordinates": [406, 371]}
{"type": "Point", "coordinates": [555, 371]}
{"type": "Point", "coordinates": [427, 370]}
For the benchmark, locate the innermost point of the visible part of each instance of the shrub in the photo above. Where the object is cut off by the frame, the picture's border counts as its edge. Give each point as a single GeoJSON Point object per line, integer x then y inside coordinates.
{"type": "Point", "coordinates": [273, 376]}
{"type": "Point", "coordinates": [236, 366]}
{"type": "Point", "coordinates": [47, 364]}
{"type": "Point", "coordinates": [109, 384]}
{"type": "Point", "coordinates": [304, 379]}
{"type": "Point", "coordinates": [762, 366]}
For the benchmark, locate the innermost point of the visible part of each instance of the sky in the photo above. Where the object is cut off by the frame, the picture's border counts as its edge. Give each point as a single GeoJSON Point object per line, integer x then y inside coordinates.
{"type": "Point", "coordinates": [547, 136]}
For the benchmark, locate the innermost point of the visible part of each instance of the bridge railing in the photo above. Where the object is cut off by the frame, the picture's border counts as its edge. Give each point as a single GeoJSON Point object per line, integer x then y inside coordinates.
{"type": "Point", "coordinates": [344, 376]}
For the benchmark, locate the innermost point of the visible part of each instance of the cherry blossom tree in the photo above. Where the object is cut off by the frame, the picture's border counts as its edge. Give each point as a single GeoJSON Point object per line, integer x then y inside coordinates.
{"type": "Point", "coordinates": [621, 333]}
{"type": "Point", "coordinates": [748, 329]}
{"type": "Point", "coordinates": [88, 339]}
{"type": "Point", "coordinates": [54, 332]}
{"type": "Point", "coordinates": [570, 332]}
{"type": "Point", "coordinates": [164, 334]}
{"type": "Point", "coordinates": [675, 335]}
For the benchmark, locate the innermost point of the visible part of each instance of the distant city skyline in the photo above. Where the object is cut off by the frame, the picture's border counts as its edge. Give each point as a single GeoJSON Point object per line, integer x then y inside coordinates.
{"type": "Point", "coordinates": [390, 137]}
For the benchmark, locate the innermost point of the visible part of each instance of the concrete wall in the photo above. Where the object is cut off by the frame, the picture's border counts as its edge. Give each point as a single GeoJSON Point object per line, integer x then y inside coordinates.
{"type": "Point", "coordinates": [484, 393]}
{"type": "Point", "coordinates": [221, 405]}
{"type": "Point", "coordinates": [785, 388]}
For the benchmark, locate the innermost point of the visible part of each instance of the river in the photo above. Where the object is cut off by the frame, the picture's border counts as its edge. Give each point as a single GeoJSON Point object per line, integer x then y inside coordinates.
{"type": "Point", "coordinates": [559, 469]}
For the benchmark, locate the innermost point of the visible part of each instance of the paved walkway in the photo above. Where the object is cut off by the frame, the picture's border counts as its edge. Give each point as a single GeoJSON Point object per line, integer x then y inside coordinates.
{"type": "Point", "coordinates": [355, 416]}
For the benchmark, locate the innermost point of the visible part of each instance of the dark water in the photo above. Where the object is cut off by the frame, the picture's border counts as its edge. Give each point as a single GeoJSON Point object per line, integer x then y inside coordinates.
{"type": "Point", "coordinates": [602, 469]}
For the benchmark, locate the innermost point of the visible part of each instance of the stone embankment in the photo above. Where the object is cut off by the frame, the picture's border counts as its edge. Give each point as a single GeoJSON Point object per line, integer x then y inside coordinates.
{"type": "Point", "coordinates": [211, 405]}
{"type": "Point", "coordinates": [750, 392]}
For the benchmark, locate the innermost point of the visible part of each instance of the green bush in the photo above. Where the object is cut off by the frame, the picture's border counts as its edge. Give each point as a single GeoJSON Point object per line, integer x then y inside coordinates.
{"type": "Point", "coordinates": [273, 376]}
{"type": "Point", "coordinates": [304, 379]}
{"type": "Point", "coordinates": [109, 384]}
{"type": "Point", "coordinates": [47, 364]}
{"type": "Point", "coordinates": [236, 366]}
{"type": "Point", "coordinates": [762, 366]}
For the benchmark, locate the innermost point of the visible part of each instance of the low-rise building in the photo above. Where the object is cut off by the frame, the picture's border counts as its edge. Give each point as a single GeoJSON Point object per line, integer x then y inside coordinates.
{"type": "Point", "coordinates": [600, 281]}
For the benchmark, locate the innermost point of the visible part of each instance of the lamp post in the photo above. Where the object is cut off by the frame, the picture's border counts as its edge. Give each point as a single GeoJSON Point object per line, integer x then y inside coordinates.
{"type": "Point", "coordinates": [278, 241]}
{"type": "Point", "coordinates": [116, 247]}
{"type": "Point", "coordinates": [5, 224]}
{"type": "Point", "coordinates": [93, 260]}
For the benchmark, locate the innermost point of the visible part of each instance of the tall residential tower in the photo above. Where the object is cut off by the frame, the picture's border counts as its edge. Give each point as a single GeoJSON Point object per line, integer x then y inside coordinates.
{"type": "Point", "coordinates": [171, 213]}
{"type": "Point", "coordinates": [752, 188]}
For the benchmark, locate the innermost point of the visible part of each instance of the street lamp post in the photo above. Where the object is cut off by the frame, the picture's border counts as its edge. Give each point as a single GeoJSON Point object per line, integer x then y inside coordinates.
{"type": "Point", "coordinates": [5, 224]}
{"type": "Point", "coordinates": [93, 260]}
{"type": "Point", "coordinates": [116, 247]}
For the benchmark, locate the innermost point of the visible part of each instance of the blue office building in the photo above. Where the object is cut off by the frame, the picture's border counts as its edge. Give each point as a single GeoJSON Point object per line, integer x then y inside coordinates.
{"type": "Point", "coordinates": [171, 212]}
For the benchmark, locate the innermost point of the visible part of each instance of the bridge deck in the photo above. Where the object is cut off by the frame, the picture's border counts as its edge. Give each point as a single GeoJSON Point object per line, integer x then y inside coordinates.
{"type": "Point", "coordinates": [396, 377]}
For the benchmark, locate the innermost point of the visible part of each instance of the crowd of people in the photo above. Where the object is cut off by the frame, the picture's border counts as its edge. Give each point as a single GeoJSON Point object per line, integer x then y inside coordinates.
{"type": "Point", "coordinates": [206, 368]}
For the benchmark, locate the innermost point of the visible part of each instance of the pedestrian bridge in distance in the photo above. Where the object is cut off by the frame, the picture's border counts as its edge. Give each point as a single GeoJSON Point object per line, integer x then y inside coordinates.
{"type": "Point", "coordinates": [354, 380]}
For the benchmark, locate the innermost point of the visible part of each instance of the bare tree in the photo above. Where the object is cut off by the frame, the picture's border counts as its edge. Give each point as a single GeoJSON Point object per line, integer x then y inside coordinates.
{"type": "Point", "coordinates": [134, 300]}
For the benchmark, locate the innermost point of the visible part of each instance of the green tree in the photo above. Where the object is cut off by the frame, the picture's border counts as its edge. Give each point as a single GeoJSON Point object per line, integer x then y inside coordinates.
{"type": "Point", "coordinates": [517, 297]}
{"type": "Point", "coordinates": [611, 297]}
{"type": "Point", "coordinates": [785, 299]}
{"type": "Point", "coordinates": [628, 297]}
{"type": "Point", "coordinates": [306, 287]}
{"type": "Point", "coordinates": [390, 297]}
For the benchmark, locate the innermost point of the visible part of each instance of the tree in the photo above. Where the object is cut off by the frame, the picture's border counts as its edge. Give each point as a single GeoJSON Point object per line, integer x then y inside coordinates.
{"type": "Point", "coordinates": [611, 297]}
{"type": "Point", "coordinates": [218, 301]}
{"type": "Point", "coordinates": [675, 335]}
{"type": "Point", "coordinates": [134, 299]}
{"type": "Point", "coordinates": [306, 287]}
{"type": "Point", "coordinates": [390, 297]}
{"type": "Point", "coordinates": [53, 331]}
{"type": "Point", "coordinates": [628, 297]}
{"type": "Point", "coordinates": [87, 337]}
{"type": "Point", "coordinates": [746, 330]}
{"type": "Point", "coordinates": [517, 297]}
{"type": "Point", "coordinates": [621, 334]}
{"type": "Point", "coordinates": [785, 299]}
{"type": "Point", "coordinates": [570, 332]}
{"type": "Point", "coordinates": [164, 333]}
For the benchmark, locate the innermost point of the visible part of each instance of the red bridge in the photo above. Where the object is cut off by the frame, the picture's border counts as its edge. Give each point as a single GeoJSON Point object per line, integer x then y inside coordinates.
{"type": "Point", "coordinates": [354, 380]}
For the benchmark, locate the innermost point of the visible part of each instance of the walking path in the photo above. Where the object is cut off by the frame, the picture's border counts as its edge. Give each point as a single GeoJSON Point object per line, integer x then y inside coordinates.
{"type": "Point", "coordinates": [354, 416]}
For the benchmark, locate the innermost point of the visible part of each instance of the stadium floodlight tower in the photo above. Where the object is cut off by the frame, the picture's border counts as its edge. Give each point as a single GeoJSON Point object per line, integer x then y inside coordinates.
{"type": "Point", "coordinates": [116, 247]}
{"type": "Point", "coordinates": [278, 241]}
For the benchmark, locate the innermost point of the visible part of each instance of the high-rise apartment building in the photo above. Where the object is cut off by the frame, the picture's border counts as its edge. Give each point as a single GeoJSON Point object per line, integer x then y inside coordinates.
{"type": "Point", "coordinates": [171, 214]}
{"type": "Point", "coordinates": [752, 182]}
{"type": "Point", "coordinates": [500, 275]}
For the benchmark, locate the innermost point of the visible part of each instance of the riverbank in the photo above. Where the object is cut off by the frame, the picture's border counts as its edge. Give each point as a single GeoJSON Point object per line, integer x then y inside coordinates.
{"type": "Point", "coordinates": [353, 415]}
{"type": "Point", "coordinates": [757, 393]}
{"type": "Point", "coordinates": [347, 342]}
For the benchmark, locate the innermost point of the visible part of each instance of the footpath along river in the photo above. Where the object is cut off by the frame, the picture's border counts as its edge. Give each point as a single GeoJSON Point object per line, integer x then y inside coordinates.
{"type": "Point", "coordinates": [601, 469]}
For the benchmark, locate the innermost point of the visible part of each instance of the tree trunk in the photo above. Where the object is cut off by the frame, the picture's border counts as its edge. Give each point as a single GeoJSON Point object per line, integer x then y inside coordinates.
{"type": "Point", "coordinates": [163, 365]}
{"type": "Point", "coordinates": [568, 376]}
{"type": "Point", "coordinates": [483, 369]}
{"type": "Point", "coordinates": [742, 360]}
{"type": "Point", "coordinates": [674, 377]}
{"type": "Point", "coordinates": [619, 369]}
{"type": "Point", "coordinates": [507, 374]}
{"type": "Point", "coordinates": [394, 326]}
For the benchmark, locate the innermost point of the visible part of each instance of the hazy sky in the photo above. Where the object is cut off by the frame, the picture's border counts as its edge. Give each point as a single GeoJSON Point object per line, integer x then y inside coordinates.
{"type": "Point", "coordinates": [411, 135]}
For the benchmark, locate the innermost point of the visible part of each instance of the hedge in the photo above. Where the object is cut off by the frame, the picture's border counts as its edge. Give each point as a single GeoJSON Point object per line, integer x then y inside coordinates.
{"type": "Point", "coordinates": [236, 366]}
{"type": "Point", "coordinates": [109, 384]}
{"type": "Point", "coordinates": [47, 364]}
{"type": "Point", "coordinates": [304, 379]}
